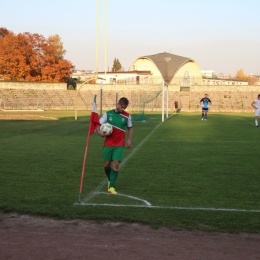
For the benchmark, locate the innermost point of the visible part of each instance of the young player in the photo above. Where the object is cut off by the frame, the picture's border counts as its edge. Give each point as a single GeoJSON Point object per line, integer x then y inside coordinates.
{"type": "Point", "coordinates": [256, 105]}
{"type": "Point", "coordinates": [113, 150]}
{"type": "Point", "coordinates": [205, 106]}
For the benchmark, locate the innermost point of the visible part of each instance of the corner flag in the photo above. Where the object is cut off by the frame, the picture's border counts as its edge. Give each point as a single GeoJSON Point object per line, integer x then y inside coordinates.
{"type": "Point", "coordinates": [93, 124]}
{"type": "Point", "coordinates": [94, 120]}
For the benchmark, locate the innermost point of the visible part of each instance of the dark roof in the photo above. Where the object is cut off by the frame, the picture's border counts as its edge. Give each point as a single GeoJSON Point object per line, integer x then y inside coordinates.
{"type": "Point", "coordinates": [167, 63]}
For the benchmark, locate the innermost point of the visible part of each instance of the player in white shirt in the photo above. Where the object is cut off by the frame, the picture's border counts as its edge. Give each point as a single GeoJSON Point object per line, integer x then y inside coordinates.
{"type": "Point", "coordinates": [256, 105]}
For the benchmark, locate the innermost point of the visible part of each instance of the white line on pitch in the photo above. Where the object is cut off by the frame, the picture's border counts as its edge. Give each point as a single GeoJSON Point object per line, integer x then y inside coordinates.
{"type": "Point", "coordinates": [245, 121]}
{"type": "Point", "coordinates": [200, 141]}
{"type": "Point", "coordinates": [99, 187]}
{"type": "Point", "coordinates": [170, 207]}
{"type": "Point", "coordinates": [147, 203]}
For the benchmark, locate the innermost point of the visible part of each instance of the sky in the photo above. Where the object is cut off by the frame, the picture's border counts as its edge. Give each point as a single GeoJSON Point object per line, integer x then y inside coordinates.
{"type": "Point", "coordinates": [222, 35]}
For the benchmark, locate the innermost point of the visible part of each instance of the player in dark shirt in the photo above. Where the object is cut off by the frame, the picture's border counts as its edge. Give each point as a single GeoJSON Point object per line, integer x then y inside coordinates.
{"type": "Point", "coordinates": [205, 106]}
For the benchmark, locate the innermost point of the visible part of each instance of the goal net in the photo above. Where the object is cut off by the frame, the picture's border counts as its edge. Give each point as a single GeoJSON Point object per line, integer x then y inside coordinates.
{"type": "Point", "coordinates": [147, 99]}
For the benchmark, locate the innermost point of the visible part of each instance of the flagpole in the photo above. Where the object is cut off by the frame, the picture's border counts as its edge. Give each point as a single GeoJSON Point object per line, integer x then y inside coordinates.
{"type": "Point", "coordinates": [85, 156]}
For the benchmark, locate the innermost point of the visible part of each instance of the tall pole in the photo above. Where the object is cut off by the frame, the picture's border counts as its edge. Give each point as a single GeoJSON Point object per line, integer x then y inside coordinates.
{"type": "Point", "coordinates": [116, 91]}
{"type": "Point", "coordinates": [101, 95]}
{"type": "Point", "coordinates": [105, 39]}
{"type": "Point", "coordinates": [97, 37]}
{"type": "Point", "coordinates": [167, 96]}
{"type": "Point", "coordinates": [116, 94]}
{"type": "Point", "coordinates": [162, 101]}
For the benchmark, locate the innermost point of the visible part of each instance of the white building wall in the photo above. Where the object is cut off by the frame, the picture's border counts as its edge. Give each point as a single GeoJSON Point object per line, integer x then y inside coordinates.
{"type": "Point", "coordinates": [191, 67]}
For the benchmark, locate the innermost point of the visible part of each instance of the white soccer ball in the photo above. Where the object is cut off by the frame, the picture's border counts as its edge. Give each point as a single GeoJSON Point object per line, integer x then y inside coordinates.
{"type": "Point", "coordinates": [106, 127]}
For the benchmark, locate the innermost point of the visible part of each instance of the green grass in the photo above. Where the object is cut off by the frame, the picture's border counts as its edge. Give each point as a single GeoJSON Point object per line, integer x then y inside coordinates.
{"type": "Point", "coordinates": [195, 174]}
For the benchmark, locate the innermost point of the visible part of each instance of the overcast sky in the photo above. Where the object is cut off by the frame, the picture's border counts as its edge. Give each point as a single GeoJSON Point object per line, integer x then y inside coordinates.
{"type": "Point", "coordinates": [221, 35]}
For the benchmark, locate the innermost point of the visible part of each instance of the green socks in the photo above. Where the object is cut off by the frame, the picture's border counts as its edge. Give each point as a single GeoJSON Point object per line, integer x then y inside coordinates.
{"type": "Point", "coordinates": [113, 177]}
{"type": "Point", "coordinates": [108, 171]}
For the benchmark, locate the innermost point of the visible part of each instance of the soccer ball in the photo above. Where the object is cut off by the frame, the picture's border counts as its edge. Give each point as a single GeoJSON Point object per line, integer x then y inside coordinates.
{"type": "Point", "coordinates": [106, 127]}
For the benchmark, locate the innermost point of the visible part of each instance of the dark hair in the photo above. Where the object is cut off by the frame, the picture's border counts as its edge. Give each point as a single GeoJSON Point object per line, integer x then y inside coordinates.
{"type": "Point", "coordinates": [123, 100]}
{"type": "Point", "coordinates": [258, 95]}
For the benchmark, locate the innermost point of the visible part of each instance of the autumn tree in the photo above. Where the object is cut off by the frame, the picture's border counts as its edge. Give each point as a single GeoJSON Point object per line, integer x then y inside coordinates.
{"type": "Point", "coordinates": [251, 79]}
{"type": "Point", "coordinates": [241, 75]}
{"type": "Point", "coordinates": [117, 65]}
{"type": "Point", "coordinates": [3, 32]}
{"type": "Point", "coordinates": [32, 57]}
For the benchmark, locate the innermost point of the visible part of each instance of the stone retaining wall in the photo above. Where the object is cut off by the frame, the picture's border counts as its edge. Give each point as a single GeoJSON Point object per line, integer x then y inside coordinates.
{"type": "Point", "coordinates": [56, 96]}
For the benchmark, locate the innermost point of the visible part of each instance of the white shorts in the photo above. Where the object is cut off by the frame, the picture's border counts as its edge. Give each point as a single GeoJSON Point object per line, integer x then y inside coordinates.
{"type": "Point", "coordinates": [257, 112]}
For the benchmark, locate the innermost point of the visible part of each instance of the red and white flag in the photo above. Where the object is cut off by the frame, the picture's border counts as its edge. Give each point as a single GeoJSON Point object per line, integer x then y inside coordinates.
{"type": "Point", "coordinates": [94, 120]}
{"type": "Point", "coordinates": [94, 123]}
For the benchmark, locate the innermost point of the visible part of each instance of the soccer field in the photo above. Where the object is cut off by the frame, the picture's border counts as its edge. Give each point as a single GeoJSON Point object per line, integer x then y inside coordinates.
{"type": "Point", "coordinates": [182, 173]}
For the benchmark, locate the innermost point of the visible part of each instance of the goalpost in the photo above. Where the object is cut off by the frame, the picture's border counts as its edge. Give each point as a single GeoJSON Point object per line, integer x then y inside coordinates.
{"type": "Point", "coordinates": [164, 85]}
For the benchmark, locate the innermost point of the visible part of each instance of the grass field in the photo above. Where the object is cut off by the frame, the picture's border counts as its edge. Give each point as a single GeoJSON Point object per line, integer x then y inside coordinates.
{"type": "Point", "coordinates": [183, 174]}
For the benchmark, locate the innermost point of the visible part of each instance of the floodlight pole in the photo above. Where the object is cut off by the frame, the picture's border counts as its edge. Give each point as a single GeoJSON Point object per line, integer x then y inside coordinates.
{"type": "Point", "coordinates": [116, 90]}
{"type": "Point", "coordinates": [101, 95]}
{"type": "Point", "coordinates": [105, 38]}
{"type": "Point", "coordinates": [97, 35]}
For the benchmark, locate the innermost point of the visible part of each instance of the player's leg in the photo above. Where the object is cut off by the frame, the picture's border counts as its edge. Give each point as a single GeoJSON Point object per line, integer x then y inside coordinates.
{"type": "Point", "coordinates": [202, 114]}
{"type": "Point", "coordinates": [107, 170]}
{"type": "Point", "coordinates": [117, 158]}
{"type": "Point", "coordinates": [107, 157]}
{"type": "Point", "coordinates": [206, 115]}
{"type": "Point", "coordinates": [113, 175]}
{"type": "Point", "coordinates": [257, 114]}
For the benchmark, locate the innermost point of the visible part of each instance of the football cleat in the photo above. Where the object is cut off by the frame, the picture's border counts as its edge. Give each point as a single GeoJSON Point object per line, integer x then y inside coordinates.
{"type": "Point", "coordinates": [112, 190]}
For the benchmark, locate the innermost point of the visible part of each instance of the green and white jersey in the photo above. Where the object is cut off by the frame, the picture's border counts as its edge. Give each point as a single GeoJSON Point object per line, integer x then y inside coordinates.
{"type": "Point", "coordinates": [120, 123]}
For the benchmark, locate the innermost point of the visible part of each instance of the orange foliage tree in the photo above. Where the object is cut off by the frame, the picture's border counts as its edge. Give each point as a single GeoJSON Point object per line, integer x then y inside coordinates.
{"type": "Point", "coordinates": [3, 32]}
{"type": "Point", "coordinates": [251, 79]}
{"type": "Point", "coordinates": [31, 57]}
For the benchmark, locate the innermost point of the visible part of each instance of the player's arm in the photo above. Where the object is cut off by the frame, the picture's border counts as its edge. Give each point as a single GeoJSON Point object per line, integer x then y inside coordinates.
{"type": "Point", "coordinates": [101, 133]}
{"type": "Point", "coordinates": [253, 105]}
{"type": "Point", "coordinates": [102, 120]}
{"type": "Point", "coordinates": [129, 137]}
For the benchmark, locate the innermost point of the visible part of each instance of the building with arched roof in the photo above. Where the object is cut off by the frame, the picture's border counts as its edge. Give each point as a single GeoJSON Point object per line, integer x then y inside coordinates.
{"type": "Point", "coordinates": [168, 67]}
{"type": "Point", "coordinates": [155, 69]}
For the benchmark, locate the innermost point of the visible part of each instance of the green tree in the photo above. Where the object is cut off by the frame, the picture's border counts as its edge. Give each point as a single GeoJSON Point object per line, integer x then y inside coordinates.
{"type": "Point", "coordinates": [56, 42]}
{"type": "Point", "coordinates": [117, 65]}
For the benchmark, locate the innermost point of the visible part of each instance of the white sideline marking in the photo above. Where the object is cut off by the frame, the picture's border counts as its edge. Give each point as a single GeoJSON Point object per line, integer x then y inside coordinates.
{"type": "Point", "coordinates": [246, 121]}
{"type": "Point", "coordinates": [99, 187]}
{"type": "Point", "coordinates": [170, 207]}
{"type": "Point", "coordinates": [201, 141]}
